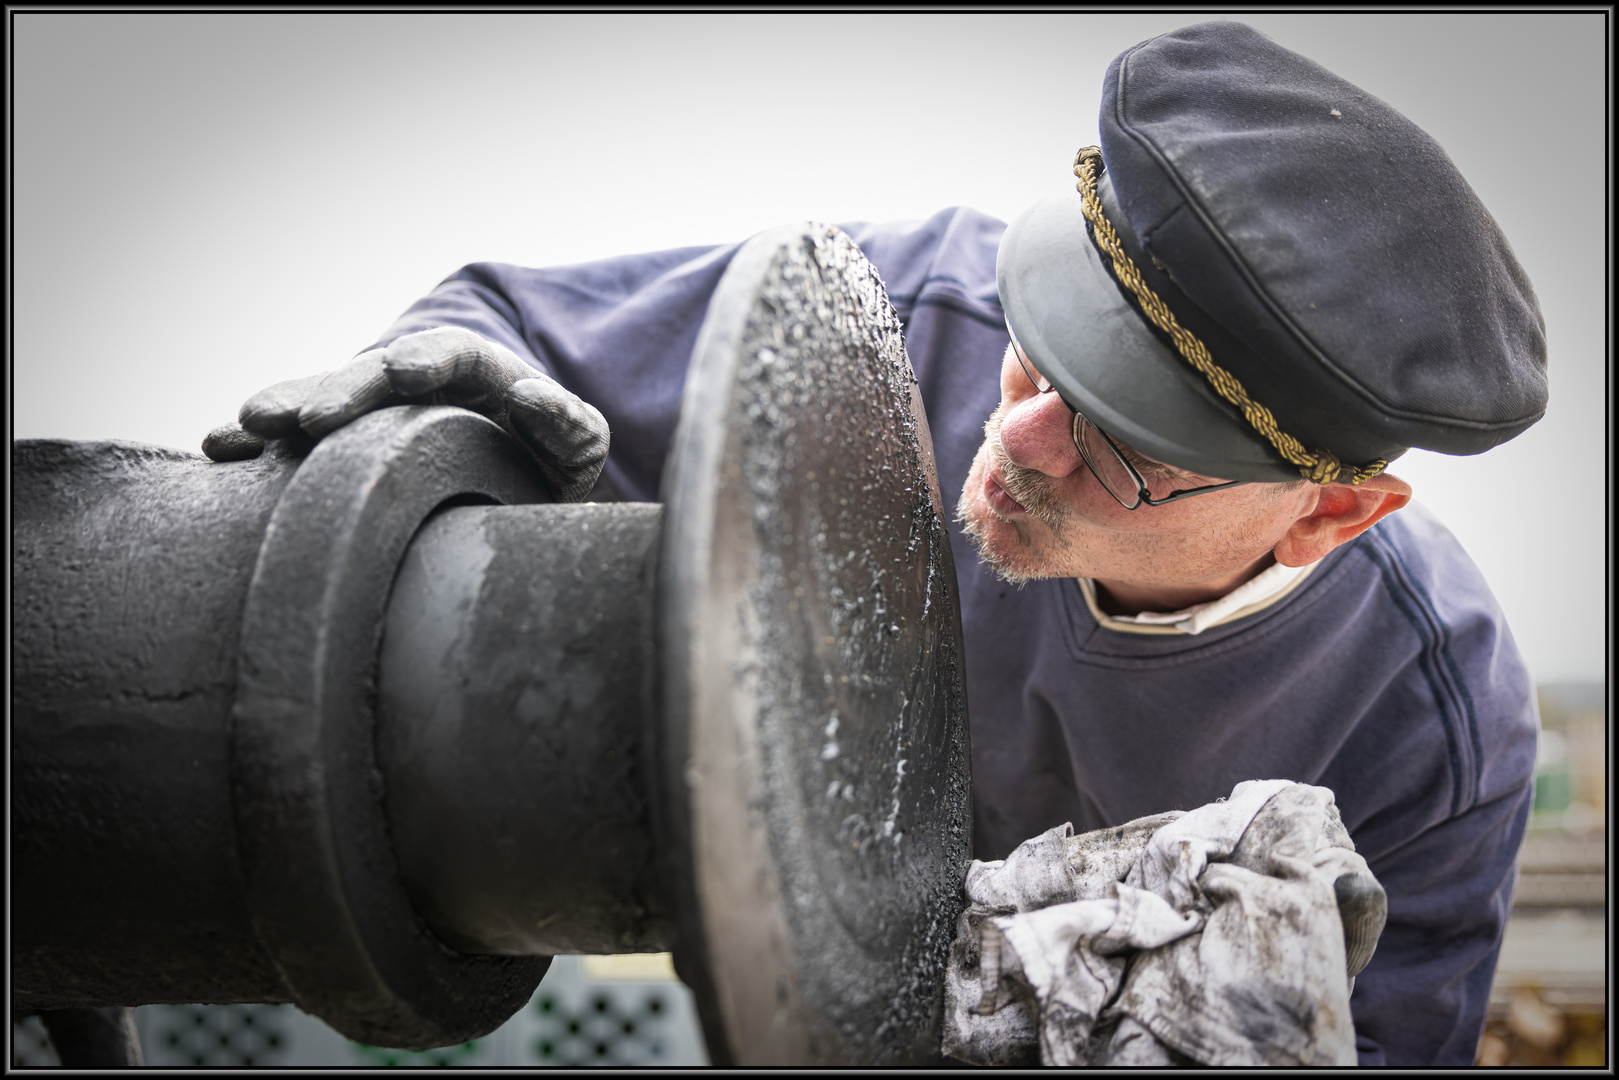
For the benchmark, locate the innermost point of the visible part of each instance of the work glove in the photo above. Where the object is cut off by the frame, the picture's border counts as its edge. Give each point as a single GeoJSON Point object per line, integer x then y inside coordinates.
{"type": "Point", "coordinates": [1364, 908]}
{"type": "Point", "coordinates": [448, 365]}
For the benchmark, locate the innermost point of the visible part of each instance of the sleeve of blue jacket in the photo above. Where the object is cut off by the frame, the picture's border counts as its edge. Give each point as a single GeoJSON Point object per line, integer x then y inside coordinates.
{"type": "Point", "coordinates": [1441, 828]}
{"type": "Point", "coordinates": [618, 333]}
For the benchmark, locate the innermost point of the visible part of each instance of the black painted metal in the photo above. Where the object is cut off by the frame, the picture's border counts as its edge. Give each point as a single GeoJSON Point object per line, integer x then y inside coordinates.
{"type": "Point", "coordinates": [196, 811]}
{"type": "Point", "coordinates": [813, 780]}
{"type": "Point", "coordinates": [371, 732]}
{"type": "Point", "coordinates": [94, 1038]}
{"type": "Point", "coordinates": [130, 569]}
{"type": "Point", "coordinates": [517, 644]}
{"type": "Point", "coordinates": [323, 886]}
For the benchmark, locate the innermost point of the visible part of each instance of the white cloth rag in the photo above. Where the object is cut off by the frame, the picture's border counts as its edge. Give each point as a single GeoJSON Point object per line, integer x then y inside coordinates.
{"type": "Point", "coordinates": [1213, 936]}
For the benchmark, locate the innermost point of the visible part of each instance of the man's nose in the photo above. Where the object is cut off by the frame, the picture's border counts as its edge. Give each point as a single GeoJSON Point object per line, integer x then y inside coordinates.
{"type": "Point", "coordinates": [1038, 433]}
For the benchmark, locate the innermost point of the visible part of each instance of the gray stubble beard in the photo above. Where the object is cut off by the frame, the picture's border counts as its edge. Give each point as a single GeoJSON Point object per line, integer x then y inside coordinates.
{"type": "Point", "coordinates": [1032, 489]}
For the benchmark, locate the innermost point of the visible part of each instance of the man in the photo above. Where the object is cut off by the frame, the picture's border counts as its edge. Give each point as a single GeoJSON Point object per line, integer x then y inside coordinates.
{"type": "Point", "coordinates": [1264, 287]}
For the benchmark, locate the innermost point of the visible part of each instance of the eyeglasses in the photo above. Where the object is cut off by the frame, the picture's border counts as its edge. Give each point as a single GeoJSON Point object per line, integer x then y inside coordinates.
{"type": "Point", "coordinates": [1109, 463]}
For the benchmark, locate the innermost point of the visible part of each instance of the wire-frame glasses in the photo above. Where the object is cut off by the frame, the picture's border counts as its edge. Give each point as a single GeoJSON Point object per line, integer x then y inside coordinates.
{"type": "Point", "coordinates": [1107, 461]}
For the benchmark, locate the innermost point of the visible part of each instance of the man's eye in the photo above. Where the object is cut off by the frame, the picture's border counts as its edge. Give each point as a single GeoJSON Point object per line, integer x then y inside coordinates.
{"type": "Point", "coordinates": [1156, 473]}
{"type": "Point", "coordinates": [1146, 466]}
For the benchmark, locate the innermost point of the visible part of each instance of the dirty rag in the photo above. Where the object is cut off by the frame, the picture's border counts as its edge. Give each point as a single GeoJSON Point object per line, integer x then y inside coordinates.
{"type": "Point", "coordinates": [1228, 935]}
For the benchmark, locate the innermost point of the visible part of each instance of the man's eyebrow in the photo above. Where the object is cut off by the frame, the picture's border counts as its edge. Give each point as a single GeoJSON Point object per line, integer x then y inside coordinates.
{"type": "Point", "coordinates": [1154, 462]}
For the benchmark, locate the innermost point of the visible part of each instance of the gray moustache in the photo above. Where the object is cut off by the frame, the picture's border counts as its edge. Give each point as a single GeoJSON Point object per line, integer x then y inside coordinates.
{"type": "Point", "coordinates": [1030, 487]}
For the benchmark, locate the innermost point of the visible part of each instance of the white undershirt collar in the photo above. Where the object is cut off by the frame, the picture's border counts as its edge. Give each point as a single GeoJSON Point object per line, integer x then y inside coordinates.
{"type": "Point", "coordinates": [1261, 591]}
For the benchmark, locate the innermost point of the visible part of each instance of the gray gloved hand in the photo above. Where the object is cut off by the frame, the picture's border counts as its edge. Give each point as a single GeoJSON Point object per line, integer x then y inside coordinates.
{"type": "Point", "coordinates": [448, 365]}
{"type": "Point", "coordinates": [1364, 908]}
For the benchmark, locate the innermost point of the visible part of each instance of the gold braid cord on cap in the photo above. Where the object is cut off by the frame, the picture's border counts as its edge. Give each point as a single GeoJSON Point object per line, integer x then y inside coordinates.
{"type": "Point", "coordinates": [1318, 466]}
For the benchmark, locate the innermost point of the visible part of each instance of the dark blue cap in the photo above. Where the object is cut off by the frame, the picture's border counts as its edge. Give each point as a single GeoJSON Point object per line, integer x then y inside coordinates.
{"type": "Point", "coordinates": [1323, 247]}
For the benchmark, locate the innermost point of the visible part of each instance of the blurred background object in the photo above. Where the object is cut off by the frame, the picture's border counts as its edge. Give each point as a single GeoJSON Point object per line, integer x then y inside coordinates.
{"type": "Point", "coordinates": [1549, 1006]}
{"type": "Point", "coordinates": [596, 1010]}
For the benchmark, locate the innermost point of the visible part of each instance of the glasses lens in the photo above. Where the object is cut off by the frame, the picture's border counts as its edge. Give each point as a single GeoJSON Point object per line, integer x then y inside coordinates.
{"type": "Point", "coordinates": [1105, 463]}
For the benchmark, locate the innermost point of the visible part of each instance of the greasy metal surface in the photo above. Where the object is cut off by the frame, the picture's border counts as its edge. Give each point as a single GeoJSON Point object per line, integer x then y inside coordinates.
{"type": "Point", "coordinates": [130, 568]}
{"type": "Point", "coordinates": [814, 759]}
{"type": "Point", "coordinates": [511, 711]}
{"type": "Point", "coordinates": [323, 886]}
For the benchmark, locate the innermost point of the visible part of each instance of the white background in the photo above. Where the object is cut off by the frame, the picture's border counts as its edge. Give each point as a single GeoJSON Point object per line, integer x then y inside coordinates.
{"type": "Point", "coordinates": [205, 204]}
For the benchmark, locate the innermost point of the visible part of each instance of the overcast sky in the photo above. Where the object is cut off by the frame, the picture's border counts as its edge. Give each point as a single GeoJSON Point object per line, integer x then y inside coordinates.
{"type": "Point", "coordinates": [208, 203]}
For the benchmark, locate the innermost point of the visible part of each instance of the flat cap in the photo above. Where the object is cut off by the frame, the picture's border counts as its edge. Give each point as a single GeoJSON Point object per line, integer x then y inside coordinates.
{"type": "Point", "coordinates": [1323, 247]}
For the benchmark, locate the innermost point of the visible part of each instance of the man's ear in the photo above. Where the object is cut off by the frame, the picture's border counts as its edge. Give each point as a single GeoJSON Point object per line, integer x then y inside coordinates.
{"type": "Point", "coordinates": [1341, 513]}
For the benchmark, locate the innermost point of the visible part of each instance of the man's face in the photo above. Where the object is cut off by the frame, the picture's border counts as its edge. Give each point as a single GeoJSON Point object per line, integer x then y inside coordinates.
{"type": "Point", "coordinates": [1034, 510]}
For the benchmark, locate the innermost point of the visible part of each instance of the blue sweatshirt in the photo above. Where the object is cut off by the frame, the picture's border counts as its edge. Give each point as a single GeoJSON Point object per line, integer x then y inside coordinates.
{"type": "Point", "coordinates": [1387, 675]}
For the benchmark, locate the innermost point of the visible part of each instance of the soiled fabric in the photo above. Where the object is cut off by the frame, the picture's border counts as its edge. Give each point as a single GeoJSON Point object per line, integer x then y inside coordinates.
{"type": "Point", "coordinates": [1388, 674]}
{"type": "Point", "coordinates": [1221, 936]}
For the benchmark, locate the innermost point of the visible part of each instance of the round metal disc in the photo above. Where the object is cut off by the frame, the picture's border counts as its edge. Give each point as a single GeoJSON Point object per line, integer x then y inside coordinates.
{"type": "Point", "coordinates": [813, 752]}
{"type": "Point", "coordinates": [323, 887]}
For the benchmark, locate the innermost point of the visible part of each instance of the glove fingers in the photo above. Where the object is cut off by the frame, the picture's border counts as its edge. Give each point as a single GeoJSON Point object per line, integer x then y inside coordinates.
{"type": "Point", "coordinates": [1364, 907]}
{"type": "Point", "coordinates": [569, 438]}
{"type": "Point", "coordinates": [228, 442]}
{"type": "Point", "coordinates": [358, 387]}
{"type": "Point", "coordinates": [453, 359]}
{"type": "Point", "coordinates": [272, 413]}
